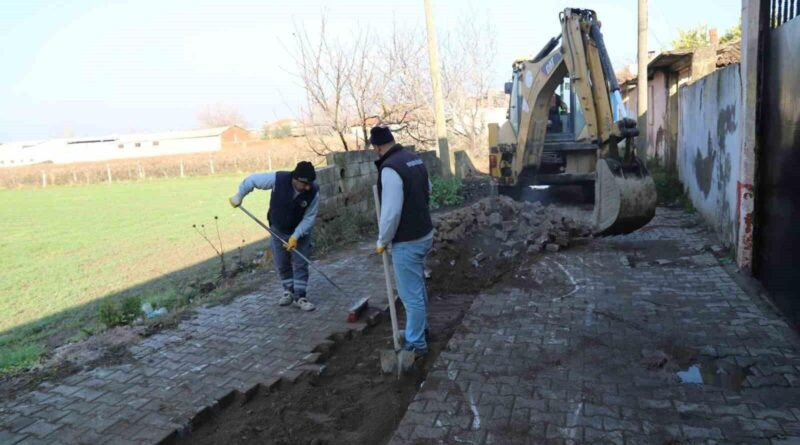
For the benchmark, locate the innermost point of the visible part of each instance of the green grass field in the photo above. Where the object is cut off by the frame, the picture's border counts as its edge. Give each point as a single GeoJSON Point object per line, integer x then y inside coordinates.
{"type": "Point", "coordinates": [63, 247]}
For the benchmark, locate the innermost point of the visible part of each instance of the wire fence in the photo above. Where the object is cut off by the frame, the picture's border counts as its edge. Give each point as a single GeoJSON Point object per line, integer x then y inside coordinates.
{"type": "Point", "coordinates": [171, 166]}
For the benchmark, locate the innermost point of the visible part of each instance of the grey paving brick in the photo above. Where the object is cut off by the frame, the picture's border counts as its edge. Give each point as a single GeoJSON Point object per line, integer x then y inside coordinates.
{"type": "Point", "coordinates": [195, 354]}
{"type": "Point", "coordinates": [40, 428]}
{"type": "Point", "coordinates": [581, 355]}
{"type": "Point", "coordinates": [10, 438]}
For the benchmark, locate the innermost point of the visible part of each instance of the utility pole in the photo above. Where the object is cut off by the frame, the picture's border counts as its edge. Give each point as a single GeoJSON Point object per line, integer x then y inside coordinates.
{"type": "Point", "coordinates": [641, 79]}
{"type": "Point", "coordinates": [438, 103]}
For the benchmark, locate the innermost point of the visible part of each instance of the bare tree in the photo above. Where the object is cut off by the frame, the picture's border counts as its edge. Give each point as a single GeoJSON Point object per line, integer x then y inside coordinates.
{"type": "Point", "coordinates": [406, 102]}
{"type": "Point", "coordinates": [324, 68]}
{"type": "Point", "coordinates": [469, 58]}
{"type": "Point", "coordinates": [363, 86]}
{"type": "Point", "coordinates": [383, 78]}
{"type": "Point", "coordinates": [220, 115]}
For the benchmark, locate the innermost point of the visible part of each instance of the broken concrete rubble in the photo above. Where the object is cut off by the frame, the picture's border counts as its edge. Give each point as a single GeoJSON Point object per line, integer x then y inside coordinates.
{"type": "Point", "coordinates": [521, 222]}
{"type": "Point", "coordinates": [473, 244]}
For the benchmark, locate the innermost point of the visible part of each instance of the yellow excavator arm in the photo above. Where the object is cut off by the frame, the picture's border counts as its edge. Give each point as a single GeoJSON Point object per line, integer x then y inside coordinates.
{"type": "Point", "coordinates": [624, 192]}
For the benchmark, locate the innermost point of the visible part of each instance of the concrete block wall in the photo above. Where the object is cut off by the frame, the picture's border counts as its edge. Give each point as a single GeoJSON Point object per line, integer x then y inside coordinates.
{"type": "Point", "coordinates": [346, 182]}
{"type": "Point", "coordinates": [431, 162]}
{"type": "Point", "coordinates": [463, 164]}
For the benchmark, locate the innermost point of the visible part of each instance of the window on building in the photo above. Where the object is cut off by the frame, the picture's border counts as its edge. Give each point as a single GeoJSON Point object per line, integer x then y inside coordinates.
{"type": "Point", "coordinates": [155, 143]}
{"type": "Point", "coordinates": [138, 144]}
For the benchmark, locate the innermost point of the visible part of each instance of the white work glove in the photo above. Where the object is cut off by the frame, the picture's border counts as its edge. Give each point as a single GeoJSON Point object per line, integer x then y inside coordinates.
{"type": "Point", "coordinates": [235, 200]}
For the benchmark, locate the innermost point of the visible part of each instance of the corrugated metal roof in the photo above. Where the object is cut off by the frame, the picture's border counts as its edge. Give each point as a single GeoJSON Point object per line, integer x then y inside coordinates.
{"type": "Point", "coordinates": [669, 58]}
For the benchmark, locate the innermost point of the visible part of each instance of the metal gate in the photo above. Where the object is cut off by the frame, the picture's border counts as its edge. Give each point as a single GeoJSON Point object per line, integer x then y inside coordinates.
{"type": "Point", "coordinates": [777, 236]}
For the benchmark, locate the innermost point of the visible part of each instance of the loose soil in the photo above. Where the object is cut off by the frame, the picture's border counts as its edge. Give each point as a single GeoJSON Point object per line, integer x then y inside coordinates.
{"type": "Point", "coordinates": [350, 402]}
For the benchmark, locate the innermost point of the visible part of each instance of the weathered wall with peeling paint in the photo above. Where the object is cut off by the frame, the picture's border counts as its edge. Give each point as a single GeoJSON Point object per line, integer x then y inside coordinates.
{"type": "Point", "coordinates": [709, 148]}
{"type": "Point", "coordinates": [657, 116]}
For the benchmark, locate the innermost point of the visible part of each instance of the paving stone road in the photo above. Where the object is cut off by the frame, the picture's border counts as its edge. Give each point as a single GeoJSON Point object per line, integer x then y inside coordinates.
{"type": "Point", "coordinates": [584, 347]}
{"type": "Point", "coordinates": [176, 374]}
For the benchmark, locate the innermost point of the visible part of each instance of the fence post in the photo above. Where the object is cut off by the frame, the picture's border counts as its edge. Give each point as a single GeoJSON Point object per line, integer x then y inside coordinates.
{"type": "Point", "coordinates": [108, 171]}
{"type": "Point", "coordinates": [269, 155]}
{"type": "Point", "coordinates": [74, 177]}
{"type": "Point", "coordinates": [181, 168]}
{"type": "Point", "coordinates": [44, 179]}
{"type": "Point", "coordinates": [211, 165]}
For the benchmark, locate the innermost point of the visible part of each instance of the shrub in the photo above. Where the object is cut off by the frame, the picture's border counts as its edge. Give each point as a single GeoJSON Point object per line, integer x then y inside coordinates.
{"type": "Point", "coordinates": [446, 191]}
{"type": "Point", "coordinates": [114, 313]}
{"type": "Point", "coordinates": [347, 227]}
{"type": "Point", "coordinates": [668, 187]}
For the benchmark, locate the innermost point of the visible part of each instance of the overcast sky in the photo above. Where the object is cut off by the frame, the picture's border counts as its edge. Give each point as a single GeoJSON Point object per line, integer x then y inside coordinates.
{"type": "Point", "coordinates": [99, 67]}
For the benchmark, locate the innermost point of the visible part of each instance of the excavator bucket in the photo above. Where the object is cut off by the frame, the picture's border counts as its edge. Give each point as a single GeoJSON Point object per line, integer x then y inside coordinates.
{"type": "Point", "coordinates": [625, 197]}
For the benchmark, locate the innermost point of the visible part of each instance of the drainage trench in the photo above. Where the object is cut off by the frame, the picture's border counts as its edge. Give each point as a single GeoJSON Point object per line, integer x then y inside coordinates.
{"type": "Point", "coordinates": [351, 401]}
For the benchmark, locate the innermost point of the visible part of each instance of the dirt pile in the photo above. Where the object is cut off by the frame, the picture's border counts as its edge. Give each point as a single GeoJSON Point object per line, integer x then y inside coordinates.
{"type": "Point", "coordinates": [476, 246]}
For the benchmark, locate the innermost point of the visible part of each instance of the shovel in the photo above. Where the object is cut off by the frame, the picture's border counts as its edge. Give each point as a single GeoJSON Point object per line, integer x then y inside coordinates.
{"type": "Point", "coordinates": [398, 360]}
{"type": "Point", "coordinates": [296, 252]}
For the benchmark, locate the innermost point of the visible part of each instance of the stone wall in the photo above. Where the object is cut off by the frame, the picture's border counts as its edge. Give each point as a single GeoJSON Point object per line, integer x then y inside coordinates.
{"type": "Point", "coordinates": [709, 148]}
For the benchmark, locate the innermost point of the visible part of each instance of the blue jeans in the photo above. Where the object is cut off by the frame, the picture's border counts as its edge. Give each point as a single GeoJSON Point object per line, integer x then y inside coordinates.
{"type": "Point", "coordinates": [291, 268]}
{"type": "Point", "coordinates": [408, 259]}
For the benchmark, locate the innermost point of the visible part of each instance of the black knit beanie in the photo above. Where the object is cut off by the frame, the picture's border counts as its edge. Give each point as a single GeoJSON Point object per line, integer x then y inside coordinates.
{"type": "Point", "coordinates": [380, 136]}
{"type": "Point", "coordinates": [304, 172]}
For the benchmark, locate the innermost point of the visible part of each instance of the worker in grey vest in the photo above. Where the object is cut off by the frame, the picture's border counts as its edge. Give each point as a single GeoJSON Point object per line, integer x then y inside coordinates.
{"type": "Point", "coordinates": [292, 211]}
{"type": "Point", "coordinates": [405, 225]}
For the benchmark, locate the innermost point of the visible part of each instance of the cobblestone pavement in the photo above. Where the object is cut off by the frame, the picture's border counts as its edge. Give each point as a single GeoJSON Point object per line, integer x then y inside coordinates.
{"type": "Point", "coordinates": [584, 346]}
{"type": "Point", "coordinates": [177, 374]}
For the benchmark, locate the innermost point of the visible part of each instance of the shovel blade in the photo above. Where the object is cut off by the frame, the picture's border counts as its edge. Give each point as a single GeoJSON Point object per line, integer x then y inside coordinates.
{"type": "Point", "coordinates": [391, 361]}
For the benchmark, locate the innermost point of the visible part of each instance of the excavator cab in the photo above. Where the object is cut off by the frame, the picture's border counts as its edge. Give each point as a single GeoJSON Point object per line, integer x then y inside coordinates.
{"type": "Point", "coordinates": [567, 125]}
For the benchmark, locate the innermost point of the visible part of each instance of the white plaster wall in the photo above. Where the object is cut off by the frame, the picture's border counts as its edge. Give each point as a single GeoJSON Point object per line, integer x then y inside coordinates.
{"type": "Point", "coordinates": [709, 143]}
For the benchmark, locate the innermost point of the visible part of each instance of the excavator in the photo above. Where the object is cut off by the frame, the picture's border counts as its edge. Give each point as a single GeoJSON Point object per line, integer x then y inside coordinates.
{"type": "Point", "coordinates": [567, 124]}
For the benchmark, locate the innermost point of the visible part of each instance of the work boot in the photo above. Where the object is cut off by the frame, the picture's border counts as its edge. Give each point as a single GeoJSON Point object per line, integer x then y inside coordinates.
{"type": "Point", "coordinates": [287, 298]}
{"type": "Point", "coordinates": [304, 304]}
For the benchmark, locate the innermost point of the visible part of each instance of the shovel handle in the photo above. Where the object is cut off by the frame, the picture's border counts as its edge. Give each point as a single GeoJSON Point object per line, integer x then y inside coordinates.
{"type": "Point", "coordinates": [295, 251]}
{"type": "Point", "coordinates": [386, 273]}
